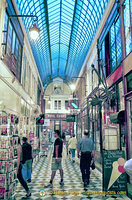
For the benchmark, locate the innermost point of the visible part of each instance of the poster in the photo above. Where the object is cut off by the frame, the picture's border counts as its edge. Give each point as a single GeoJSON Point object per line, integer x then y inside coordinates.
{"type": "Point", "coordinates": [114, 175]}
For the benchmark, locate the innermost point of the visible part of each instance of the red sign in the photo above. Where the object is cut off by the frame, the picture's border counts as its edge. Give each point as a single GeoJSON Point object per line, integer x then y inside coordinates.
{"type": "Point", "coordinates": [31, 135]}
{"type": "Point", "coordinates": [114, 77]}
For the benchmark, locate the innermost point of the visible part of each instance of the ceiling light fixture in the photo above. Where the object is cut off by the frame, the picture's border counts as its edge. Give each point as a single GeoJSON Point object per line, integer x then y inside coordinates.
{"type": "Point", "coordinates": [72, 86]}
{"type": "Point", "coordinates": [34, 30]}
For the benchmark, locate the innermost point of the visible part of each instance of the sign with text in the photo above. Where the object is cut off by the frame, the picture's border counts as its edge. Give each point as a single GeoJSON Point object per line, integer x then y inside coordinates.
{"type": "Point", "coordinates": [114, 175]}
{"type": "Point", "coordinates": [70, 118]}
{"type": "Point", "coordinates": [47, 122]}
{"type": "Point", "coordinates": [56, 116]}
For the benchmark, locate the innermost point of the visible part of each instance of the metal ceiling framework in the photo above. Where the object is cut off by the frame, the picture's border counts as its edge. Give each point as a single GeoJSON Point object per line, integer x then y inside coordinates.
{"type": "Point", "coordinates": [67, 28]}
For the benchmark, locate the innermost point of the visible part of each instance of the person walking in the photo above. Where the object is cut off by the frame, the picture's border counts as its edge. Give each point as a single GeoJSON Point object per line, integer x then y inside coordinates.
{"type": "Point", "coordinates": [72, 146]}
{"type": "Point", "coordinates": [57, 158]}
{"type": "Point", "coordinates": [86, 147]}
{"type": "Point", "coordinates": [19, 170]}
{"type": "Point", "coordinates": [26, 160]}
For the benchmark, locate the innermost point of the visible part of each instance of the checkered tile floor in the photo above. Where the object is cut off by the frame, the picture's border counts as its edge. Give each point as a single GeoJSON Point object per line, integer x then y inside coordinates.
{"type": "Point", "coordinates": [73, 187]}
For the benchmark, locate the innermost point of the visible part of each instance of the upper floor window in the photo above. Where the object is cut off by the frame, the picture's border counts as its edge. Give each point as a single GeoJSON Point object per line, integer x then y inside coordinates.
{"type": "Point", "coordinates": [129, 82]}
{"type": "Point", "coordinates": [12, 48]}
{"type": "Point", "coordinates": [57, 104]}
{"type": "Point", "coordinates": [128, 25]}
{"type": "Point", "coordinates": [109, 43]}
{"type": "Point", "coordinates": [66, 104]}
{"type": "Point", "coordinates": [110, 49]}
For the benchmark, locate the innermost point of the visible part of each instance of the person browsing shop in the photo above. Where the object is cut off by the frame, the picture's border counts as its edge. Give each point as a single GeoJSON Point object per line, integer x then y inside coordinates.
{"type": "Point", "coordinates": [26, 160]}
{"type": "Point", "coordinates": [19, 170]}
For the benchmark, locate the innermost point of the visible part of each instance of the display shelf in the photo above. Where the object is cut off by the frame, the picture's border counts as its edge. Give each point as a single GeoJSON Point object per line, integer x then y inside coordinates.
{"type": "Point", "coordinates": [8, 154]}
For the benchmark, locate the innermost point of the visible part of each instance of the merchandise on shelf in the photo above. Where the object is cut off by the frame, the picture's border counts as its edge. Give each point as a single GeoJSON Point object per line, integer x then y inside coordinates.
{"type": "Point", "coordinates": [4, 143]}
{"type": "Point", "coordinates": [8, 154]}
{"type": "Point", "coordinates": [3, 167]}
{"type": "Point", "coordinates": [2, 192]}
{"type": "Point", "coordinates": [4, 154]}
{"type": "Point", "coordinates": [3, 180]}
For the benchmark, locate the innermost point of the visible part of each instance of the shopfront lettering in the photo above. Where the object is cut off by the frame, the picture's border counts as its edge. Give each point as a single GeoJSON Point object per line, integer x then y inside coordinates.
{"type": "Point", "coordinates": [55, 116]}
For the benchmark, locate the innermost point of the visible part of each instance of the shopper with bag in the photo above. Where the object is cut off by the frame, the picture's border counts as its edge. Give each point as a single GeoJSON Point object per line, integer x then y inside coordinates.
{"type": "Point", "coordinates": [86, 147]}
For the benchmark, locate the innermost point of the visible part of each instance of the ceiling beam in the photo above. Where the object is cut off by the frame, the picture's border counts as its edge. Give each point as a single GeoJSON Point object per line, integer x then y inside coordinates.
{"type": "Point", "coordinates": [59, 36]}
{"type": "Point", "coordinates": [73, 21]}
{"type": "Point", "coordinates": [48, 32]}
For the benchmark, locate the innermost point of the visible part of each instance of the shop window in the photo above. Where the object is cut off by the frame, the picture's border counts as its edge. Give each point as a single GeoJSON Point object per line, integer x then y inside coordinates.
{"type": "Point", "coordinates": [121, 96]}
{"type": "Point", "coordinates": [29, 87]}
{"type": "Point", "coordinates": [129, 82]}
{"type": "Point", "coordinates": [48, 104]}
{"type": "Point", "coordinates": [110, 48]}
{"type": "Point", "coordinates": [128, 25]}
{"type": "Point", "coordinates": [9, 38]}
{"type": "Point", "coordinates": [13, 42]}
{"type": "Point", "coordinates": [110, 138]}
{"type": "Point", "coordinates": [12, 48]}
{"type": "Point", "coordinates": [57, 105]}
{"type": "Point", "coordinates": [24, 64]}
{"type": "Point", "coordinates": [66, 105]}
{"type": "Point", "coordinates": [5, 34]}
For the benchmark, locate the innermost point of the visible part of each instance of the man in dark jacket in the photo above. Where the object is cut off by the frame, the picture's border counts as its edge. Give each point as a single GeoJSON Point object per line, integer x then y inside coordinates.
{"type": "Point", "coordinates": [26, 160]}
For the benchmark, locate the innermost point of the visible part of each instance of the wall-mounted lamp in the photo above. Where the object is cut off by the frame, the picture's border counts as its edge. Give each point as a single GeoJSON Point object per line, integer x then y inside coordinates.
{"type": "Point", "coordinates": [72, 86]}
{"type": "Point", "coordinates": [49, 101]}
{"type": "Point", "coordinates": [34, 30]}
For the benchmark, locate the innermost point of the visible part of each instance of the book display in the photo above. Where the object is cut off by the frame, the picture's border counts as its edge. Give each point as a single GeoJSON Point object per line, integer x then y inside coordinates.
{"type": "Point", "coordinates": [8, 154]}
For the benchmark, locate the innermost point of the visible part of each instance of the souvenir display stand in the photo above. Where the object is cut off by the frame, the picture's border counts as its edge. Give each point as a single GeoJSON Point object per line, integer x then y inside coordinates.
{"type": "Point", "coordinates": [8, 154]}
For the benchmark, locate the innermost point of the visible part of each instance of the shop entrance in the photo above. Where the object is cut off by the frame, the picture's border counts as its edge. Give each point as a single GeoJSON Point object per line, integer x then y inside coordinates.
{"type": "Point", "coordinates": [57, 125]}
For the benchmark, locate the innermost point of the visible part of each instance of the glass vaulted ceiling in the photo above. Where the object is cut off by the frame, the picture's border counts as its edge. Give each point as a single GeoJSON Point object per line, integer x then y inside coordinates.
{"type": "Point", "coordinates": [67, 28]}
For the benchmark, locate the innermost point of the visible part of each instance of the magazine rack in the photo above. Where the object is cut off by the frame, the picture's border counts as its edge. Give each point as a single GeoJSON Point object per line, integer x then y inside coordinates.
{"type": "Point", "coordinates": [8, 154]}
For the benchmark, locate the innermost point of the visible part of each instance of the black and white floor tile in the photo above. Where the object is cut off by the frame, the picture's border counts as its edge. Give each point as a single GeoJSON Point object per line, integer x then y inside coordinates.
{"type": "Point", "coordinates": [73, 187]}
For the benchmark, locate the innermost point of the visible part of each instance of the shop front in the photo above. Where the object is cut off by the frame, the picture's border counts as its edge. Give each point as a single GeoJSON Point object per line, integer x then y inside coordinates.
{"type": "Point", "coordinates": [58, 122]}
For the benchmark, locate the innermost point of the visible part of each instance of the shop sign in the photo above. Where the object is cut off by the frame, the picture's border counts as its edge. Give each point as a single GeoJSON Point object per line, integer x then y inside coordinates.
{"type": "Point", "coordinates": [56, 116]}
{"type": "Point", "coordinates": [114, 77]}
{"type": "Point", "coordinates": [114, 176]}
{"type": "Point", "coordinates": [47, 122]}
{"type": "Point", "coordinates": [70, 118]}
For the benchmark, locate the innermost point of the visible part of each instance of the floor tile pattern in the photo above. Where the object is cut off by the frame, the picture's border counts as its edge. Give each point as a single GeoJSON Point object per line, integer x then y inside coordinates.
{"type": "Point", "coordinates": [73, 187]}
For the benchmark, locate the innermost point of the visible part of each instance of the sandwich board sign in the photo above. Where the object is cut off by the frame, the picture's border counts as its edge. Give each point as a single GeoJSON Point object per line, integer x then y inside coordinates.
{"type": "Point", "coordinates": [114, 175]}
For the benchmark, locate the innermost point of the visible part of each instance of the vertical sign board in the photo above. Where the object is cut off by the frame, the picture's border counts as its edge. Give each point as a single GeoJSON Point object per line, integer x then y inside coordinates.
{"type": "Point", "coordinates": [114, 175]}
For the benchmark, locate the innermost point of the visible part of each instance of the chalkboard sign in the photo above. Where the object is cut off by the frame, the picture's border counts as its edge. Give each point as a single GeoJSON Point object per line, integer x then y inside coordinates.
{"type": "Point", "coordinates": [114, 175]}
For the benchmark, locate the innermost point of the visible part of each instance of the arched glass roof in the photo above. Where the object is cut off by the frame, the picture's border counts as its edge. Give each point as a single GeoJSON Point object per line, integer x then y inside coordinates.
{"type": "Point", "coordinates": [67, 28]}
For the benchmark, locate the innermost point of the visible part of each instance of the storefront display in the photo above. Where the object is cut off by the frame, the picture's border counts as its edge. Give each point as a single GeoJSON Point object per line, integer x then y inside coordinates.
{"type": "Point", "coordinates": [8, 154]}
